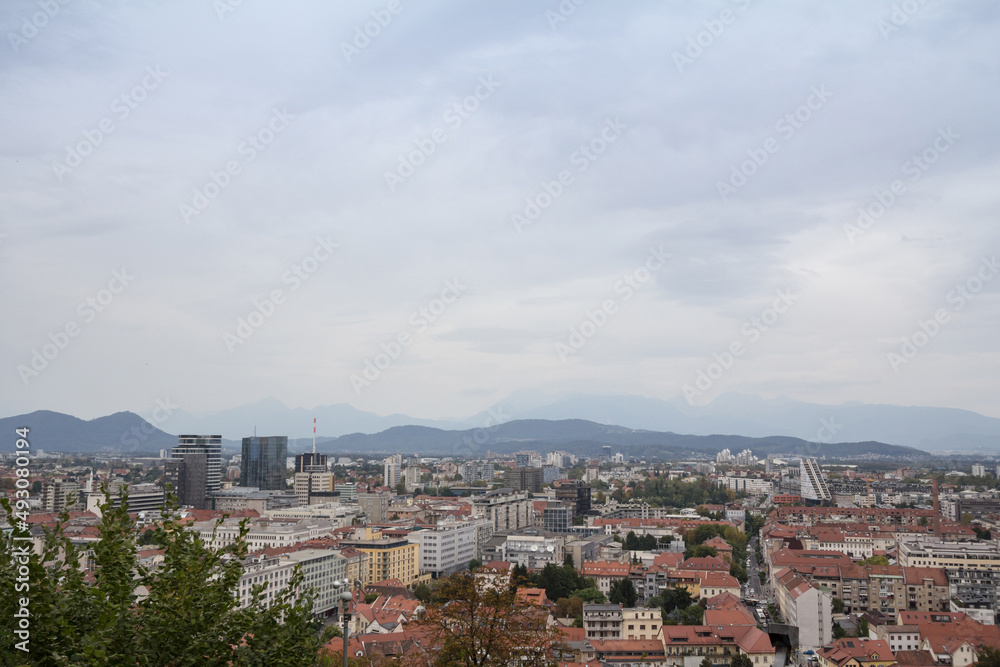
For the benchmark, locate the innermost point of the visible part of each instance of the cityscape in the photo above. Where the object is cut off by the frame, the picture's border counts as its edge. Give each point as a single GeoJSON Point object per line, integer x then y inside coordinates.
{"type": "Point", "coordinates": [779, 559]}
{"type": "Point", "coordinates": [535, 333]}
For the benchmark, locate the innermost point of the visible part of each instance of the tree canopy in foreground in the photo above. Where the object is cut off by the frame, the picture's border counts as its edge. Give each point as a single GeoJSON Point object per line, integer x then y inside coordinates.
{"type": "Point", "coordinates": [121, 612]}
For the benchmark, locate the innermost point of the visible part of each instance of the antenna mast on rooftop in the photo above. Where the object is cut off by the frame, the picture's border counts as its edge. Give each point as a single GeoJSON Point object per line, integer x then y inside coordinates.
{"type": "Point", "coordinates": [314, 436]}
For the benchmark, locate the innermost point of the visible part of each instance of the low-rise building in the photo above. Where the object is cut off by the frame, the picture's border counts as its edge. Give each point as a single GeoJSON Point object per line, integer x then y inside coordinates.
{"type": "Point", "coordinates": [641, 623]}
{"type": "Point", "coordinates": [856, 653]}
{"type": "Point", "coordinates": [603, 621]}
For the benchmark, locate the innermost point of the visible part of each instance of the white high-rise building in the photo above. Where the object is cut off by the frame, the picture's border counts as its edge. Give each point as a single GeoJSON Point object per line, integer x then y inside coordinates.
{"type": "Point", "coordinates": [391, 471]}
{"type": "Point", "coordinates": [813, 484]}
{"type": "Point", "coordinates": [978, 470]}
{"type": "Point", "coordinates": [412, 477]}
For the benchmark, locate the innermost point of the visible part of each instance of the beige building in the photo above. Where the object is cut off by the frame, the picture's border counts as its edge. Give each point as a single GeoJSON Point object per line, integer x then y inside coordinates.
{"type": "Point", "coordinates": [308, 483]}
{"type": "Point", "coordinates": [933, 552]}
{"type": "Point", "coordinates": [641, 623]}
{"type": "Point", "coordinates": [389, 558]}
{"type": "Point", "coordinates": [356, 568]}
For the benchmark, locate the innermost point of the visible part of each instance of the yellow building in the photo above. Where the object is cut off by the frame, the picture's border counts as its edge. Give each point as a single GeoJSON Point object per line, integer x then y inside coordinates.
{"type": "Point", "coordinates": [357, 565]}
{"type": "Point", "coordinates": [388, 558]}
{"type": "Point", "coordinates": [641, 623]}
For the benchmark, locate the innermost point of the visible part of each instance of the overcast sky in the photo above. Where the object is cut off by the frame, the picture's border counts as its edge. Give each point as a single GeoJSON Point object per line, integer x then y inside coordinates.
{"type": "Point", "coordinates": [674, 169]}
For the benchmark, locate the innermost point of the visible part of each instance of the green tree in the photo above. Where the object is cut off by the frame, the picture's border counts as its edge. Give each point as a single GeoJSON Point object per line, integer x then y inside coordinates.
{"type": "Point", "coordinates": [838, 632]}
{"type": "Point", "coordinates": [700, 551]}
{"type": "Point", "coordinates": [706, 662]}
{"type": "Point", "coordinates": [623, 592]}
{"type": "Point", "coordinates": [475, 564]}
{"type": "Point", "coordinates": [875, 560]}
{"type": "Point", "coordinates": [692, 614]}
{"type": "Point", "coordinates": [863, 628]}
{"type": "Point", "coordinates": [838, 606]}
{"type": "Point", "coordinates": [741, 660]}
{"type": "Point", "coordinates": [423, 592]}
{"type": "Point", "coordinates": [190, 616]}
{"type": "Point", "coordinates": [988, 656]}
{"type": "Point", "coordinates": [519, 577]}
{"type": "Point", "coordinates": [982, 533]}
{"type": "Point", "coordinates": [676, 597]}
{"type": "Point", "coordinates": [590, 595]}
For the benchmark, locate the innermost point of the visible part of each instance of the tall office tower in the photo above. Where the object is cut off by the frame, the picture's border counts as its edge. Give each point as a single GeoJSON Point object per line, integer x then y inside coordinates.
{"type": "Point", "coordinates": [391, 471]}
{"type": "Point", "coordinates": [310, 462]}
{"type": "Point", "coordinates": [262, 463]}
{"type": "Point", "coordinates": [524, 479]}
{"type": "Point", "coordinates": [813, 485]}
{"type": "Point", "coordinates": [188, 477]}
{"type": "Point", "coordinates": [575, 494]}
{"type": "Point", "coordinates": [211, 447]}
{"type": "Point", "coordinates": [522, 460]}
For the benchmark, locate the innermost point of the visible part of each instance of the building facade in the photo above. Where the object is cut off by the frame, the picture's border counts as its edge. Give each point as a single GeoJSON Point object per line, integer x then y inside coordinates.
{"type": "Point", "coordinates": [211, 447]}
{"type": "Point", "coordinates": [507, 509]}
{"type": "Point", "coordinates": [262, 463]}
{"type": "Point", "coordinates": [389, 558]}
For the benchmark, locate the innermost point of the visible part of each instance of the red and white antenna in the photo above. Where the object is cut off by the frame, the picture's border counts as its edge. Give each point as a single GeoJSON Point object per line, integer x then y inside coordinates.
{"type": "Point", "coordinates": [314, 435]}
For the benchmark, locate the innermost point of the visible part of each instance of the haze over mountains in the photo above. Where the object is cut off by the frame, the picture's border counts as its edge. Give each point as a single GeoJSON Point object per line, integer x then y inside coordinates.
{"type": "Point", "coordinates": [934, 430]}
{"type": "Point", "coordinates": [927, 428]}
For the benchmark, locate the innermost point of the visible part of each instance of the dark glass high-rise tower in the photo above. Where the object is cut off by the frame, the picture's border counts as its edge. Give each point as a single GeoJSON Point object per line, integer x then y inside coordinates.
{"type": "Point", "coordinates": [263, 462]}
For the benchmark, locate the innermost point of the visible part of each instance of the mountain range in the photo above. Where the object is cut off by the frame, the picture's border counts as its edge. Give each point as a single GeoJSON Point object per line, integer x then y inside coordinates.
{"type": "Point", "coordinates": [127, 433]}
{"type": "Point", "coordinates": [930, 429]}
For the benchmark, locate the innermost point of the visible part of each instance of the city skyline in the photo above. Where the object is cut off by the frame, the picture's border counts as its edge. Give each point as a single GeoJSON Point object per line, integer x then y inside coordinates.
{"type": "Point", "coordinates": [424, 209]}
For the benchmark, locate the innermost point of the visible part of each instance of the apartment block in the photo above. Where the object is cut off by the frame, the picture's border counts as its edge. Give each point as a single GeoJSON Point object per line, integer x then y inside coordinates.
{"type": "Point", "coordinates": [446, 547]}
{"type": "Point", "coordinates": [323, 574]}
{"type": "Point", "coordinates": [506, 508]}
{"type": "Point", "coordinates": [389, 558]}
{"type": "Point", "coordinates": [603, 621]}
